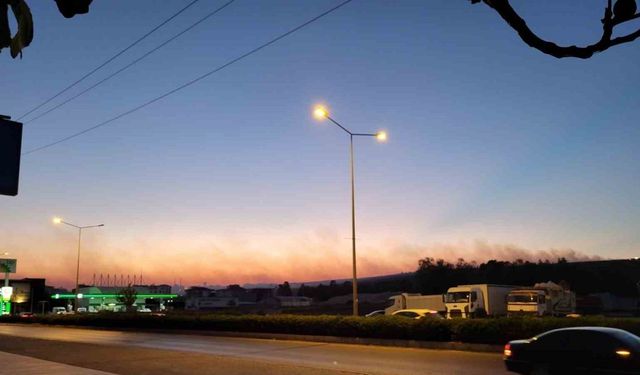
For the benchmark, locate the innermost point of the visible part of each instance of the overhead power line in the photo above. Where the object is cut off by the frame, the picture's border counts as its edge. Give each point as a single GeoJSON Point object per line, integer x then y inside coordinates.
{"type": "Point", "coordinates": [110, 59]}
{"type": "Point", "coordinates": [191, 82]}
{"type": "Point", "coordinates": [131, 63]}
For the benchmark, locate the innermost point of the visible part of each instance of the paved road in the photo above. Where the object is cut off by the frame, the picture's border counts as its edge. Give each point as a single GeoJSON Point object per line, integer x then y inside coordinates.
{"type": "Point", "coordinates": [18, 364]}
{"type": "Point", "coordinates": [338, 358]}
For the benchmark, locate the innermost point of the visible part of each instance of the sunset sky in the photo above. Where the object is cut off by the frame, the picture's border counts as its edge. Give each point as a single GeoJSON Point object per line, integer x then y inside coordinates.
{"type": "Point", "coordinates": [495, 150]}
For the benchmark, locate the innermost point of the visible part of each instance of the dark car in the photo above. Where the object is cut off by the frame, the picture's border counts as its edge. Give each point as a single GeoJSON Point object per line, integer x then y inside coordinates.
{"type": "Point", "coordinates": [577, 350]}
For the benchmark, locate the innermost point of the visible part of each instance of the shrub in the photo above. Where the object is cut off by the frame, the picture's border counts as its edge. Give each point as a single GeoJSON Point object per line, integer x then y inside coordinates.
{"type": "Point", "coordinates": [490, 331]}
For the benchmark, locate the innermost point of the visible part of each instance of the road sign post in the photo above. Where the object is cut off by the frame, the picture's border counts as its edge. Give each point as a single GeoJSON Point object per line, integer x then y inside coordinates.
{"type": "Point", "coordinates": [7, 266]}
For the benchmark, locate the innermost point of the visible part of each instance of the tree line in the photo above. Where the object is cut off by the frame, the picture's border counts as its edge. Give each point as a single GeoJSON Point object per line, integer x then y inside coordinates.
{"type": "Point", "coordinates": [435, 276]}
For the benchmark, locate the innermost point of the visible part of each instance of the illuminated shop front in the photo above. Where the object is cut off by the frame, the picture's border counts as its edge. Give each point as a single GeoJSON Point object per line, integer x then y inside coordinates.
{"type": "Point", "coordinates": [94, 299]}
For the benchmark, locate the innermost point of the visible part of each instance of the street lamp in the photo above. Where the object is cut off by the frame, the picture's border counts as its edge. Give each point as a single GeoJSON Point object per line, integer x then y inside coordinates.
{"type": "Point", "coordinates": [321, 113]}
{"type": "Point", "coordinates": [58, 220]}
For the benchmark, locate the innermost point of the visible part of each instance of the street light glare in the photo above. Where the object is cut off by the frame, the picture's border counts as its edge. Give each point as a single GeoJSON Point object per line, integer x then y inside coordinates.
{"type": "Point", "coordinates": [381, 136]}
{"type": "Point", "coordinates": [320, 113]}
{"type": "Point", "coordinates": [57, 220]}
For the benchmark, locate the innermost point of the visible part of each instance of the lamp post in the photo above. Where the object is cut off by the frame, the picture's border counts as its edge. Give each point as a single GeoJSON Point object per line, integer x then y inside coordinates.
{"type": "Point", "coordinates": [321, 113]}
{"type": "Point", "coordinates": [57, 220]}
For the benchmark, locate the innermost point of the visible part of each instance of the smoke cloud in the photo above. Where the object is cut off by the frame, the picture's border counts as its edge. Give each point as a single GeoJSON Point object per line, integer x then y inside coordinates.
{"type": "Point", "coordinates": [321, 255]}
{"type": "Point", "coordinates": [481, 251]}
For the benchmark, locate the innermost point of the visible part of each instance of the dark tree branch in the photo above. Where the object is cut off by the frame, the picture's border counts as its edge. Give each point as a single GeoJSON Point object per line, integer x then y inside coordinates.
{"type": "Point", "coordinates": [617, 22]}
{"type": "Point", "coordinates": [511, 17]}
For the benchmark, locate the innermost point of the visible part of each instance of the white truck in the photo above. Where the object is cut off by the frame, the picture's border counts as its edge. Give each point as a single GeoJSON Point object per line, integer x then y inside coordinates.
{"type": "Point", "coordinates": [477, 300]}
{"type": "Point", "coordinates": [415, 301]}
{"type": "Point", "coordinates": [543, 299]}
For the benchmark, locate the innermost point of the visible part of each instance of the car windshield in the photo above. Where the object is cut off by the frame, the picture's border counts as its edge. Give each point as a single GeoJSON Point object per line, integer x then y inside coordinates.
{"type": "Point", "coordinates": [529, 297]}
{"type": "Point", "coordinates": [457, 297]}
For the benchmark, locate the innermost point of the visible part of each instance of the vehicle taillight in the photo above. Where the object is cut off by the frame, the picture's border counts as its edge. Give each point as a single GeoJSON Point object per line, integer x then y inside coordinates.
{"type": "Point", "coordinates": [507, 350]}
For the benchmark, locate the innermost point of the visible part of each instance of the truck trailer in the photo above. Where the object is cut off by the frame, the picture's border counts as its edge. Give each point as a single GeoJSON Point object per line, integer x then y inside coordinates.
{"type": "Point", "coordinates": [415, 301]}
{"type": "Point", "coordinates": [477, 300]}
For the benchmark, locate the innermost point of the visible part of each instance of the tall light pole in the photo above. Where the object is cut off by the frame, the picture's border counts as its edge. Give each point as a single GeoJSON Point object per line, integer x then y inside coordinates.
{"type": "Point", "coordinates": [57, 220]}
{"type": "Point", "coordinates": [321, 113]}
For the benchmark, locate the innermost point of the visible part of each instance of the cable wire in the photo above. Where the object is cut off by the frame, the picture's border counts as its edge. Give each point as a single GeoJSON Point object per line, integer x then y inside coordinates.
{"type": "Point", "coordinates": [189, 83]}
{"type": "Point", "coordinates": [110, 59]}
{"type": "Point", "coordinates": [132, 63]}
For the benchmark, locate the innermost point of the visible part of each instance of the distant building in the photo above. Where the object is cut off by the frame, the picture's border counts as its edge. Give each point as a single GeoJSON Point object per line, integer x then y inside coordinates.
{"type": "Point", "coordinates": [27, 295]}
{"type": "Point", "coordinates": [197, 291]}
{"type": "Point", "coordinates": [244, 296]}
{"type": "Point", "coordinates": [160, 289]}
{"type": "Point", "coordinates": [238, 298]}
{"type": "Point", "coordinates": [615, 305]}
{"type": "Point", "coordinates": [178, 289]}
{"type": "Point", "coordinates": [372, 298]}
{"type": "Point", "coordinates": [292, 301]}
{"type": "Point", "coordinates": [210, 303]}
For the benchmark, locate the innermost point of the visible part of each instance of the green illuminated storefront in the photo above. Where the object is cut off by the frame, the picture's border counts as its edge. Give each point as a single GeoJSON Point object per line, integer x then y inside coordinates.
{"type": "Point", "coordinates": [5, 307]}
{"type": "Point", "coordinates": [96, 299]}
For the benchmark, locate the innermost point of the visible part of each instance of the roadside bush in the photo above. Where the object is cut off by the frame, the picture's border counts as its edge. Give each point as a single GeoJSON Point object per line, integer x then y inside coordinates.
{"type": "Point", "coordinates": [488, 331]}
{"type": "Point", "coordinates": [501, 330]}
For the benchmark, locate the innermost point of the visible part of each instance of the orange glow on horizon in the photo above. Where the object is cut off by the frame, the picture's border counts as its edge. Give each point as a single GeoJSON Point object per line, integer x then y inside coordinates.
{"type": "Point", "coordinates": [223, 260]}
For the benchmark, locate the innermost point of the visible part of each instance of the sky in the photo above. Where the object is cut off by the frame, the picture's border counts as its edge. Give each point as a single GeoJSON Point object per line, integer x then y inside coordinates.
{"type": "Point", "coordinates": [495, 150]}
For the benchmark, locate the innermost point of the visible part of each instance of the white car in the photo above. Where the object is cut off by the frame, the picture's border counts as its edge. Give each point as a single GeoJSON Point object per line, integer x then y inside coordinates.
{"type": "Point", "coordinates": [59, 310]}
{"type": "Point", "coordinates": [417, 314]}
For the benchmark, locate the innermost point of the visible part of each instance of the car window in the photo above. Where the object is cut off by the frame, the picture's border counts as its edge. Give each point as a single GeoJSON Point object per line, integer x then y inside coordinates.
{"type": "Point", "coordinates": [605, 341]}
{"type": "Point", "coordinates": [594, 341]}
{"type": "Point", "coordinates": [557, 340]}
{"type": "Point", "coordinates": [586, 341]}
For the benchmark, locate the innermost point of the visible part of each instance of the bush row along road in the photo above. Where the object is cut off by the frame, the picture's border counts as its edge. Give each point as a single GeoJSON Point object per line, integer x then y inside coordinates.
{"type": "Point", "coordinates": [137, 353]}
